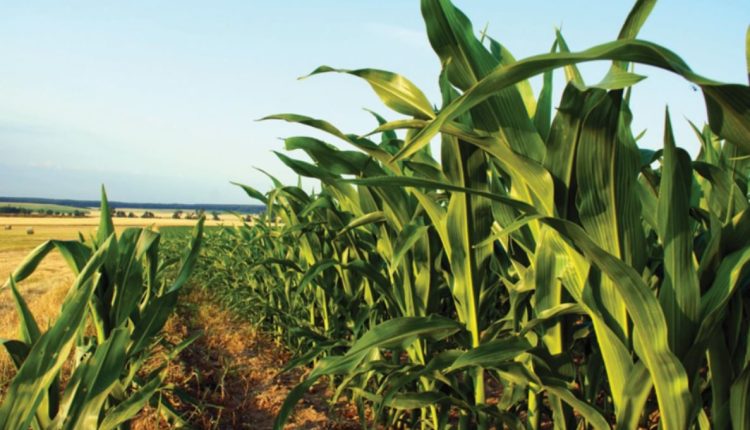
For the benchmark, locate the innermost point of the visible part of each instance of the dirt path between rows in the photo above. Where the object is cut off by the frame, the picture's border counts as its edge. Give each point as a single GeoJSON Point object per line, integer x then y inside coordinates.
{"type": "Point", "coordinates": [232, 373]}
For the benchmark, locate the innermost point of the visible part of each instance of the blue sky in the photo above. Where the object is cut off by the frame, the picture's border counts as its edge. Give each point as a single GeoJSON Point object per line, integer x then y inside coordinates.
{"type": "Point", "coordinates": [158, 100]}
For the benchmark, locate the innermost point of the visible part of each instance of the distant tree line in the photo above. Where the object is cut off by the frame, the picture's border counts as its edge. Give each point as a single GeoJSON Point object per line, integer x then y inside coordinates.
{"type": "Point", "coordinates": [178, 214]}
{"type": "Point", "coordinates": [116, 213]}
{"type": "Point", "coordinates": [14, 210]}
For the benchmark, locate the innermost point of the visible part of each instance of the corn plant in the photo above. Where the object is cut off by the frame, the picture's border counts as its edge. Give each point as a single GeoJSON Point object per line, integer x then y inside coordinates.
{"type": "Point", "coordinates": [545, 269]}
{"type": "Point", "coordinates": [111, 319]}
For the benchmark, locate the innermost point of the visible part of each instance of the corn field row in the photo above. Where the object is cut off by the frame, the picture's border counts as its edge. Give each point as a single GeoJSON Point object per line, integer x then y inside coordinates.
{"type": "Point", "coordinates": [111, 325]}
{"type": "Point", "coordinates": [542, 272]}
{"type": "Point", "coordinates": [545, 270]}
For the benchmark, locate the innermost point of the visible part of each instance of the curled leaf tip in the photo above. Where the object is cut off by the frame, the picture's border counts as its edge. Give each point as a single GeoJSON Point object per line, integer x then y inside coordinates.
{"type": "Point", "coordinates": [319, 70]}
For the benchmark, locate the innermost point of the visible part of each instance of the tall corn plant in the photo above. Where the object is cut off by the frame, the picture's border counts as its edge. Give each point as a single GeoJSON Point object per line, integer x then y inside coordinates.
{"type": "Point", "coordinates": [122, 296]}
{"type": "Point", "coordinates": [545, 263]}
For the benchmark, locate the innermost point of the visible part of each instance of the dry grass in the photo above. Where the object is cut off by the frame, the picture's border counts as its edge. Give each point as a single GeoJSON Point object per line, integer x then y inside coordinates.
{"type": "Point", "coordinates": [43, 291]}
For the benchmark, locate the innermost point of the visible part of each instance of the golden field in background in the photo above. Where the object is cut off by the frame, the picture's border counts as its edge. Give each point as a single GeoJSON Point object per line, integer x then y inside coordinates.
{"type": "Point", "coordinates": [45, 289]}
{"type": "Point", "coordinates": [17, 240]}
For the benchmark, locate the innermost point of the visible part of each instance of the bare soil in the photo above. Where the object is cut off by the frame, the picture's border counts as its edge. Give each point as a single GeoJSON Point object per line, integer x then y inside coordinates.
{"type": "Point", "coordinates": [232, 375]}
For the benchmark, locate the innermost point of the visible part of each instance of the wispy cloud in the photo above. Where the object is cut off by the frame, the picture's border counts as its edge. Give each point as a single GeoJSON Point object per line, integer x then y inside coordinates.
{"type": "Point", "coordinates": [46, 164]}
{"type": "Point", "coordinates": [408, 36]}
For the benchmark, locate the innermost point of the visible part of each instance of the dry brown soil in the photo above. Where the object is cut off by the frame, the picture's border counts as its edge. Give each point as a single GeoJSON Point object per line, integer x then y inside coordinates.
{"type": "Point", "coordinates": [233, 373]}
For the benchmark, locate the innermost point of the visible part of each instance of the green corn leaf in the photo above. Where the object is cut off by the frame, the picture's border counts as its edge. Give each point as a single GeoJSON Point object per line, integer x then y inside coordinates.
{"type": "Point", "coordinates": [410, 401]}
{"type": "Point", "coordinates": [635, 394]}
{"type": "Point", "coordinates": [563, 140]}
{"type": "Point", "coordinates": [399, 332]}
{"type": "Point", "coordinates": [527, 173]}
{"type": "Point", "coordinates": [330, 158]}
{"type": "Point", "coordinates": [633, 24]}
{"type": "Point", "coordinates": [543, 112]}
{"type": "Point", "coordinates": [614, 352]}
{"type": "Point", "coordinates": [491, 354]}
{"type": "Point", "coordinates": [405, 241]}
{"type": "Point", "coordinates": [548, 269]}
{"type": "Point", "coordinates": [503, 56]}
{"type": "Point", "coordinates": [636, 18]}
{"type": "Point", "coordinates": [29, 330]}
{"type": "Point", "coordinates": [572, 74]}
{"type": "Point", "coordinates": [310, 122]}
{"type": "Point", "coordinates": [396, 92]}
{"type": "Point", "coordinates": [720, 366]}
{"type": "Point", "coordinates": [468, 223]}
{"type": "Point", "coordinates": [316, 269]}
{"type": "Point", "coordinates": [650, 329]}
{"type": "Point", "coordinates": [739, 400]}
{"type": "Point", "coordinates": [129, 408]}
{"type": "Point", "coordinates": [728, 105]}
{"type": "Point", "coordinates": [152, 320]}
{"type": "Point", "coordinates": [388, 136]}
{"type": "Point", "coordinates": [49, 353]}
{"type": "Point", "coordinates": [98, 375]}
{"type": "Point", "coordinates": [290, 264]}
{"type": "Point", "coordinates": [467, 62]}
{"type": "Point", "coordinates": [75, 253]}
{"type": "Point", "coordinates": [307, 169]}
{"type": "Point", "coordinates": [593, 417]}
{"type": "Point", "coordinates": [106, 228]}
{"type": "Point", "coordinates": [188, 261]}
{"type": "Point", "coordinates": [618, 79]}
{"type": "Point", "coordinates": [252, 192]}
{"type": "Point", "coordinates": [396, 332]}
{"type": "Point", "coordinates": [370, 218]}
{"type": "Point", "coordinates": [404, 181]}
{"type": "Point", "coordinates": [17, 350]}
{"type": "Point", "coordinates": [30, 263]}
{"type": "Point", "coordinates": [714, 302]}
{"type": "Point", "coordinates": [177, 349]}
{"type": "Point", "coordinates": [552, 313]}
{"type": "Point", "coordinates": [607, 204]}
{"type": "Point", "coordinates": [364, 145]}
{"type": "Point", "coordinates": [276, 182]}
{"type": "Point", "coordinates": [680, 293]}
{"type": "Point", "coordinates": [30, 334]}
{"type": "Point", "coordinates": [724, 196]}
{"type": "Point", "coordinates": [133, 245]}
